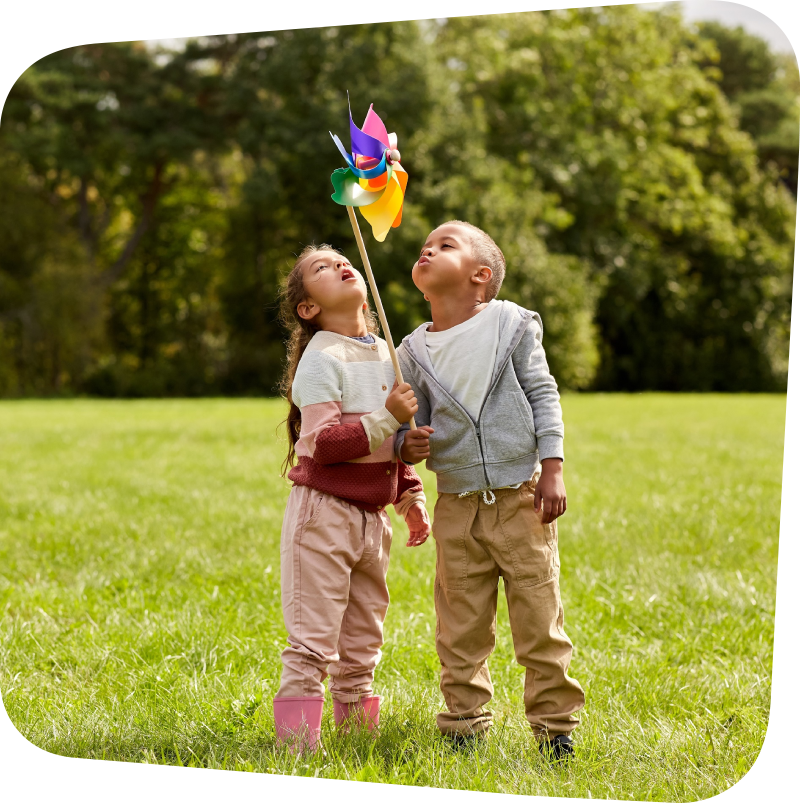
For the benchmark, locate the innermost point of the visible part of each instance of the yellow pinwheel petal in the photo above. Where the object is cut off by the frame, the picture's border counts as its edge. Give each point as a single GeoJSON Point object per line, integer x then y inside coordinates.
{"type": "Point", "coordinates": [382, 214]}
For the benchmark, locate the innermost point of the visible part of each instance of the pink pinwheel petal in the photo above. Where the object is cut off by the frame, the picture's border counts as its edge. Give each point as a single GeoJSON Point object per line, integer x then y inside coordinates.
{"type": "Point", "coordinates": [373, 125]}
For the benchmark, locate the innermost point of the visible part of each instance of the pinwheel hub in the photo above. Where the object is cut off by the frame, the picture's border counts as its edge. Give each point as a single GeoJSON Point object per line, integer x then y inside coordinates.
{"type": "Point", "coordinates": [374, 180]}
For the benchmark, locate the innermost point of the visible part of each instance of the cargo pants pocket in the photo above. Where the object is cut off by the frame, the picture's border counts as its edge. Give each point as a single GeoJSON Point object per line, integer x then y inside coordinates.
{"type": "Point", "coordinates": [532, 546]}
{"type": "Point", "coordinates": [452, 518]}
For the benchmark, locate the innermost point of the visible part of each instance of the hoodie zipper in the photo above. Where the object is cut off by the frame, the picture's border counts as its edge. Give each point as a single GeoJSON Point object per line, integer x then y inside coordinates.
{"type": "Point", "coordinates": [480, 446]}
{"type": "Point", "coordinates": [485, 399]}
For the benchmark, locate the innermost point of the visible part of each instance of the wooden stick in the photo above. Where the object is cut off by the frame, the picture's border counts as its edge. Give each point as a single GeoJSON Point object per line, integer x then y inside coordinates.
{"type": "Point", "coordinates": [378, 304]}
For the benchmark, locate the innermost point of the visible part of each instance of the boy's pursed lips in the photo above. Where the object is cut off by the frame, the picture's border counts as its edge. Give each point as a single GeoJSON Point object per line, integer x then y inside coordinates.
{"type": "Point", "coordinates": [423, 260]}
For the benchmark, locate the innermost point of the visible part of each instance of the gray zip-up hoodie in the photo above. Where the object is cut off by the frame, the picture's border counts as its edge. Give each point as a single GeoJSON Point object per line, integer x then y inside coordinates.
{"type": "Point", "coordinates": [519, 422]}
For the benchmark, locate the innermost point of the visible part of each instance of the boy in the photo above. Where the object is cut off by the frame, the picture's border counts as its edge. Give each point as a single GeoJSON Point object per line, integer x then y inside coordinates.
{"type": "Point", "coordinates": [489, 425]}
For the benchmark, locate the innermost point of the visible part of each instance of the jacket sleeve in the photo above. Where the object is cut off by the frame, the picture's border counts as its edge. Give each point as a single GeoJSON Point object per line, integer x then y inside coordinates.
{"type": "Point", "coordinates": [317, 391]}
{"type": "Point", "coordinates": [327, 439]}
{"type": "Point", "coordinates": [422, 417]}
{"type": "Point", "coordinates": [409, 489]}
{"type": "Point", "coordinates": [540, 390]}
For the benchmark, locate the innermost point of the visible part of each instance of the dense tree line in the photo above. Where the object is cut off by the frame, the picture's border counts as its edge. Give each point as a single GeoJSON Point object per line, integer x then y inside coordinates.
{"type": "Point", "coordinates": [639, 177]}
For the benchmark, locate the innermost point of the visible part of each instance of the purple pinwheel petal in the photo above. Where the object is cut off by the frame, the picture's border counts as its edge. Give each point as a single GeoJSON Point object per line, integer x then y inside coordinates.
{"type": "Point", "coordinates": [363, 144]}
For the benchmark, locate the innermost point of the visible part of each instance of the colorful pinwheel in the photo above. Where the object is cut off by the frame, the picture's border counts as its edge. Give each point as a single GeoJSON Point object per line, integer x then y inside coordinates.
{"type": "Point", "coordinates": [373, 181]}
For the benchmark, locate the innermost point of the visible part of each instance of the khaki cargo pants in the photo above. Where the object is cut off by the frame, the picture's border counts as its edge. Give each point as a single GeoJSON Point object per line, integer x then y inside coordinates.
{"type": "Point", "coordinates": [476, 544]}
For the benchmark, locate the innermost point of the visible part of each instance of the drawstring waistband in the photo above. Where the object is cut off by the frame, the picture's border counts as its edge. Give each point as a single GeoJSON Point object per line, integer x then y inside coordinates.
{"type": "Point", "coordinates": [490, 491]}
{"type": "Point", "coordinates": [485, 498]}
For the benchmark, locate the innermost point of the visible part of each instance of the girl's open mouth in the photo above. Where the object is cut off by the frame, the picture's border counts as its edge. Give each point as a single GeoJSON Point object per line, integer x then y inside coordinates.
{"type": "Point", "coordinates": [347, 274]}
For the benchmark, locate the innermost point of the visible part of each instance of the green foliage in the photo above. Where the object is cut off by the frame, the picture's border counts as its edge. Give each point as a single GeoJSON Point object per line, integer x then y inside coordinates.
{"type": "Point", "coordinates": [166, 329]}
{"type": "Point", "coordinates": [640, 208]}
{"type": "Point", "coordinates": [111, 140]}
{"type": "Point", "coordinates": [50, 308]}
{"type": "Point", "coordinates": [765, 89]}
{"type": "Point", "coordinates": [744, 60]}
{"type": "Point", "coordinates": [140, 591]}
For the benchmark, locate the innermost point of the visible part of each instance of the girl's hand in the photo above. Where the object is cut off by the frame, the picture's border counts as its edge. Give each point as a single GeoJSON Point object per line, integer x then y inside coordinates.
{"type": "Point", "coordinates": [401, 402]}
{"type": "Point", "coordinates": [419, 525]}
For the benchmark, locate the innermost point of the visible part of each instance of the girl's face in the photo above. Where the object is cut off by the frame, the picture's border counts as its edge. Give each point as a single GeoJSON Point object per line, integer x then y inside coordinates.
{"type": "Point", "coordinates": [332, 285]}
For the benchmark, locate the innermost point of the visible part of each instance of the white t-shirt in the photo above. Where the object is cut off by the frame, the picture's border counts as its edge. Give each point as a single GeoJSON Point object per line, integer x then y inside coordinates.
{"type": "Point", "coordinates": [463, 357]}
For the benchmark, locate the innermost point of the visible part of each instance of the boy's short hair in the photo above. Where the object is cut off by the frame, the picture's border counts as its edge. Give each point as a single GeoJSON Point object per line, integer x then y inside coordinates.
{"type": "Point", "coordinates": [488, 253]}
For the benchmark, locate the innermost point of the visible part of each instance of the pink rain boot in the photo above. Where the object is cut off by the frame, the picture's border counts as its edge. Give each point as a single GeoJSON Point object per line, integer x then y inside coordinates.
{"type": "Point", "coordinates": [298, 721]}
{"type": "Point", "coordinates": [365, 711]}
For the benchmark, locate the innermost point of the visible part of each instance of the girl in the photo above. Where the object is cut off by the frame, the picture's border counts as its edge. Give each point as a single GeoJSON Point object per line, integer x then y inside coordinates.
{"type": "Point", "coordinates": [343, 417]}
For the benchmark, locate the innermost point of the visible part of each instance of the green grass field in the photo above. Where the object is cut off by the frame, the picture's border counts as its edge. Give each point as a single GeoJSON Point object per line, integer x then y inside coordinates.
{"type": "Point", "coordinates": [141, 619]}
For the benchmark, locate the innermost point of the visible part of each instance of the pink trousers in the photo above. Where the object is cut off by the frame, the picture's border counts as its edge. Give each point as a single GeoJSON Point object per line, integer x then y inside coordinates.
{"type": "Point", "coordinates": [334, 559]}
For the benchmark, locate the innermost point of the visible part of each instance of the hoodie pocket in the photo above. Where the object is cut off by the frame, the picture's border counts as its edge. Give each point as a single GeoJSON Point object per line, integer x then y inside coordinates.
{"type": "Point", "coordinates": [525, 413]}
{"type": "Point", "coordinates": [454, 444]}
{"type": "Point", "coordinates": [508, 427]}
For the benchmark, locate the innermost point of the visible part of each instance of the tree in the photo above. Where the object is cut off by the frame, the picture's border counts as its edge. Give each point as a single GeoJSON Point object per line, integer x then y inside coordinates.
{"type": "Point", "coordinates": [103, 132]}
{"type": "Point", "coordinates": [612, 113]}
{"type": "Point", "coordinates": [288, 91]}
{"type": "Point", "coordinates": [50, 326]}
{"type": "Point", "coordinates": [765, 90]}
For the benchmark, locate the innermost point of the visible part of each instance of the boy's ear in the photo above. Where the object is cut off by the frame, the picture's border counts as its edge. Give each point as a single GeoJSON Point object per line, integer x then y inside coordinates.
{"type": "Point", "coordinates": [307, 309]}
{"type": "Point", "coordinates": [483, 275]}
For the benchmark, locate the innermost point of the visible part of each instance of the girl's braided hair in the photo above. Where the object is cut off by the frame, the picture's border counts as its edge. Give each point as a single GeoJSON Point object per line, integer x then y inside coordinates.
{"type": "Point", "coordinates": [292, 292]}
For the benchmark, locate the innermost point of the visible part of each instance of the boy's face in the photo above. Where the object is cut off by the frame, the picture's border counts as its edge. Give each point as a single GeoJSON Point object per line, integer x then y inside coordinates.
{"type": "Point", "coordinates": [446, 264]}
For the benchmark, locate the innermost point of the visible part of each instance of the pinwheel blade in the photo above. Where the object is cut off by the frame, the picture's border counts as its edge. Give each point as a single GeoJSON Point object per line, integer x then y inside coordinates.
{"type": "Point", "coordinates": [402, 179]}
{"type": "Point", "coordinates": [347, 157]}
{"type": "Point", "coordinates": [382, 214]}
{"type": "Point", "coordinates": [373, 125]}
{"type": "Point", "coordinates": [377, 183]}
{"type": "Point", "coordinates": [362, 143]}
{"type": "Point", "coordinates": [347, 192]}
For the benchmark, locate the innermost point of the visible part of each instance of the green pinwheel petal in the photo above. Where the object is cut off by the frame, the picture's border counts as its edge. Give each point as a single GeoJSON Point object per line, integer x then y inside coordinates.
{"type": "Point", "coordinates": [347, 192]}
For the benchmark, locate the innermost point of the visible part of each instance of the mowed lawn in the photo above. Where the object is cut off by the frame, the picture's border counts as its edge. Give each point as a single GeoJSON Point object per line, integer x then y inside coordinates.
{"type": "Point", "coordinates": [141, 618]}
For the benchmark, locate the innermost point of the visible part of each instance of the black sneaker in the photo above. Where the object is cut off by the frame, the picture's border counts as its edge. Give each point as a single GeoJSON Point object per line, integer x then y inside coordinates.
{"type": "Point", "coordinates": [464, 742]}
{"type": "Point", "coordinates": [559, 748]}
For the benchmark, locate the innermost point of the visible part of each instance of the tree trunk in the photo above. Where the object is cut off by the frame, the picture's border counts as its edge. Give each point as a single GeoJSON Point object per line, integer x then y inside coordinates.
{"type": "Point", "coordinates": [149, 202]}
